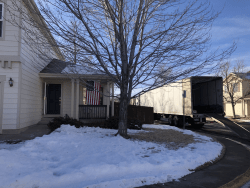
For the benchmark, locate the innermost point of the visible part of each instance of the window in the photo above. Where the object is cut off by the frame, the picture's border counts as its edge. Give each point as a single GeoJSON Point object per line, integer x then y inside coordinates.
{"type": "Point", "coordinates": [236, 87]}
{"type": "Point", "coordinates": [90, 85]}
{"type": "Point", "coordinates": [225, 89]}
{"type": "Point", "coordinates": [1, 19]}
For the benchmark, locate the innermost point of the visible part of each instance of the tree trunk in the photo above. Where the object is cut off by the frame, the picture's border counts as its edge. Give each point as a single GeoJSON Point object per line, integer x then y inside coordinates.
{"type": "Point", "coordinates": [233, 110]}
{"type": "Point", "coordinates": [122, 130]}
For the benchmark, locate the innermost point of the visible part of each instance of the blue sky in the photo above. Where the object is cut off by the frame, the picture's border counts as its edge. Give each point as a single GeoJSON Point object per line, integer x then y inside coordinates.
{"type": "Point", "coordinates": [233, 24]}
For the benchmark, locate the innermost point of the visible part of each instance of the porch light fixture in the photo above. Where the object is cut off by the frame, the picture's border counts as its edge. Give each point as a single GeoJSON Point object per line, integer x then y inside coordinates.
{"type": "Point", "coordinates": [11, 82]}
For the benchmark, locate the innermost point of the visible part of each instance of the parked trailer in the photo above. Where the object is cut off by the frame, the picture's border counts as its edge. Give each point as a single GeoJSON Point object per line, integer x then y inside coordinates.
{"type": "Point", "coordinates": [189, 98]}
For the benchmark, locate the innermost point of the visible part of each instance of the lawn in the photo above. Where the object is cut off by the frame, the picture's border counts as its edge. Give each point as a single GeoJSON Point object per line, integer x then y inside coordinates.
{"type": "Point", "coordinates": [94, 157]}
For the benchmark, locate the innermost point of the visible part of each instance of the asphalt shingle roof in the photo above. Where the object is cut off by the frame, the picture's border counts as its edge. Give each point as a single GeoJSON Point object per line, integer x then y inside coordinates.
{"type": "Point", "coordinates": [243, 75]}
{"type": "Point", "coordinates": [55, 66]}
{"type": "Point", "coordinates": [61, 67]}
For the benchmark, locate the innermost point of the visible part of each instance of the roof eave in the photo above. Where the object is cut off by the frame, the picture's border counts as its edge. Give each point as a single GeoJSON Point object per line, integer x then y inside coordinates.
{"type": "Point", "coordinates": [74, 76]}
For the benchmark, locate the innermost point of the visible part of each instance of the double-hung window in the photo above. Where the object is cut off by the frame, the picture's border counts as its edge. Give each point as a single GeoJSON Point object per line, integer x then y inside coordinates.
{"type": "Point", "coordinates": [1, 19]}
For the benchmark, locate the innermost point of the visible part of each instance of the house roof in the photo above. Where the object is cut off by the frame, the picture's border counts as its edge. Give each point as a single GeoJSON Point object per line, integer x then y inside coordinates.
{"type": "Point", "coordinates": [55, 66]}
{"type": "Point", "coordinates": [243, 75]}
{"type": "Point", "coordinates": [61, 67]}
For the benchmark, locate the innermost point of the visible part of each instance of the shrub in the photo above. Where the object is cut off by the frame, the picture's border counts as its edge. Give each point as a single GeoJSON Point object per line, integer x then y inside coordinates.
{"type": "Point", "coordinates": [111, 123]}
{"type": "Point", "coordinates": [57, 122]}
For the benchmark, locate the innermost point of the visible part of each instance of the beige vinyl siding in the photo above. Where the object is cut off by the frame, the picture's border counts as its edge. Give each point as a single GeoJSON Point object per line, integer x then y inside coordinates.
{"type": "Point", "coordinates": [31, 89]}
{"type": "Point", "coordinates": [32, 85]}
{"type": "Point", "coordinates": [245, 87]}
{"type": "Point", "coordinates": [10, 102]}
{"type": "Point", "coordinates": [9, 43]}
{"type": "Point", "coordinates": [238, 109]}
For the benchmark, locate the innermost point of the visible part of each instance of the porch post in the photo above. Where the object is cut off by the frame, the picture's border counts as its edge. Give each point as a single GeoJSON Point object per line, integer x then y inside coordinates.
{"type": "Point", "coordinates": [113, 104]}
{"type": "Point", "coordinates": [108, 99]}
{"type": "Point", "coordinates": [72, 97]}
{"type": "Point", "coordinates": [44, 100]}
{"type": "Point", "coordinates": [243, 110]}
{"type": "Point", "coordinates": [77, 99]}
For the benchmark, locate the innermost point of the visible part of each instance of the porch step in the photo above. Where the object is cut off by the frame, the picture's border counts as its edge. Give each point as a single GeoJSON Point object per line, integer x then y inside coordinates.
{"type": "Point", "coordinates": [45, 121]}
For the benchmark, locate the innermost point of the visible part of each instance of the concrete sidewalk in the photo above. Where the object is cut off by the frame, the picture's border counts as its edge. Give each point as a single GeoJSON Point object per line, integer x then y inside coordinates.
{"type": "Point", "coordinates": [30, 133]}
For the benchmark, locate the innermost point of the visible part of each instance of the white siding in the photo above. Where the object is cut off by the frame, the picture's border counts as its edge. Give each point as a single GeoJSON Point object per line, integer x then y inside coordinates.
{"type": "Point", "coordinates": [9, 43]}
{"type": "Point", "coordinates": [31, 88]}
{"type": "Point", "coordinates": [32, 84]}
{"type": "Point", "coordinates": [23, 103]}
{"type": "Point", "coordinates": [10, 102]}
{"type": "Point", "coordinates": [229, 109]}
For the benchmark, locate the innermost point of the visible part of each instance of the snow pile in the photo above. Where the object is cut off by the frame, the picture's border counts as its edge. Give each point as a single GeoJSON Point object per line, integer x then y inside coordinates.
{"type": "Point", "coordinates": [94, 157]}
{"type": "Point", "coordinates": [244, 120]}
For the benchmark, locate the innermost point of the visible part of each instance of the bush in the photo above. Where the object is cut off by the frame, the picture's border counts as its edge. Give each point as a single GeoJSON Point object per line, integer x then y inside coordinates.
{"type": "Point", "coordinates": [111, 123]}
{"type": "Point", "coordinates": [57, 122]}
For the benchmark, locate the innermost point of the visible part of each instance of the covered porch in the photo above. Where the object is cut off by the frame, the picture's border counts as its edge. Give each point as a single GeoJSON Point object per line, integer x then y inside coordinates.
{"type": "Point", "coordinates": [72, 94]}
{"type": "Point", "coordinates": [68, 96]}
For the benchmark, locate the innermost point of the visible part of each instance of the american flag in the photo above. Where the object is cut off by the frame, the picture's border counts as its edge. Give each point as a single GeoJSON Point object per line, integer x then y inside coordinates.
{"type": "Point", "coordinates": [93, 93]}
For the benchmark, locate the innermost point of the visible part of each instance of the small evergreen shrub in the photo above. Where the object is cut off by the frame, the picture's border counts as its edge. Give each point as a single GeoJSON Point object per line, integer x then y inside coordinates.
{"type": "Point", "coordinates": [57, 122]}
{"type": "Point", "coordinates": [111, 123]}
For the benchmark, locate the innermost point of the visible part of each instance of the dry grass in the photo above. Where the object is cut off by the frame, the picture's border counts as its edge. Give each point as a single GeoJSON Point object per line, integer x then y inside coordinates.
{"type": "Point", "coordinates": [171, 138]}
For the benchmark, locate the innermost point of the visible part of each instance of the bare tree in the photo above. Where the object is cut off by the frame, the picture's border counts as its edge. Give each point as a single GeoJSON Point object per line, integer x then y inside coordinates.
{"type": "Point", "coordinates": [132, 40]}
{"type": "Point", "coordinates": [72, 52]}
{"type": "Point", "coordinates": [233, 79]}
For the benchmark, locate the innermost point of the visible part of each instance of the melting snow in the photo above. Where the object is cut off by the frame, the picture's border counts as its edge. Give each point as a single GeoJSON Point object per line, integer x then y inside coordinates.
{"type": "Point", "coordinates": [94, 157]}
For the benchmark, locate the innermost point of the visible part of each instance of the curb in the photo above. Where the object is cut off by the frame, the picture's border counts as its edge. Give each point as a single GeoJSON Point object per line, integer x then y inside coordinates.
{"type": "Point", "coordinates": [217, 159]}
{"type": "Point", "coordinates": [242, 179]}
{"type": "Point", "coordinates": [239, 181]}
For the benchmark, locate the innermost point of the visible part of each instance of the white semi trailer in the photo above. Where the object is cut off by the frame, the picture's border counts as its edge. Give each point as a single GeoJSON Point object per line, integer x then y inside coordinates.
{"type": "Point", "coordinates": [188, 99]}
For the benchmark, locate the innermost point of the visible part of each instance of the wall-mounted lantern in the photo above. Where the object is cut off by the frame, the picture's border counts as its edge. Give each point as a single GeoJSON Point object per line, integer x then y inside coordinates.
{"type": "Point", "coordinates": [11, 82]}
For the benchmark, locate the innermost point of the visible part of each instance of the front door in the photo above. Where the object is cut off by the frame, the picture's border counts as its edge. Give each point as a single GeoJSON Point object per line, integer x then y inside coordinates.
{"type": "Point", "coordinates": [53, 98]}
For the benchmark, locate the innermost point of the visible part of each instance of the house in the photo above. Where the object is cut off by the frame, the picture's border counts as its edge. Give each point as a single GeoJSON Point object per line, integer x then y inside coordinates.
{"type": "Point", "coordinates": [239, 88]}
{"type": "Point", "coordinates": [32, 88]}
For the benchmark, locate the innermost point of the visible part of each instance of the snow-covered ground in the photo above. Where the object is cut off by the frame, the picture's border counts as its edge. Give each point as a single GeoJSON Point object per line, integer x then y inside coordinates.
{"type": "Point", "coordinates": [244, 120]}
{"type": "Point", "coordinates": [94, 157]}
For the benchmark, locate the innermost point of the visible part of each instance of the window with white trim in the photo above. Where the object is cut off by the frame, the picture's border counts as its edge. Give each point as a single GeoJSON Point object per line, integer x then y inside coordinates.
{"type": "Point", "coordinates": [1, 19]}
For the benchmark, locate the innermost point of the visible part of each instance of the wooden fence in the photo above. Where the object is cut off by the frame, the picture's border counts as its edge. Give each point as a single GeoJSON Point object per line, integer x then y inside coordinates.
{"type": "Point", "coordinates": [143, 113]}
{"type": "Point", "coordinates": [92, 111]}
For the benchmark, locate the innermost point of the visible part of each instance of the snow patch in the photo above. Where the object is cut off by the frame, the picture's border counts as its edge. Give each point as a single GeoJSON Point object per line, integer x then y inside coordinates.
{"type": "Point", "coordinates": [94, 157]}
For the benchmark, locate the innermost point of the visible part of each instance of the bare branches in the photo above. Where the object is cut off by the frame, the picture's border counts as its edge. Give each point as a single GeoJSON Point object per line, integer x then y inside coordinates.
{"type": "Point", "coordinates": [146, 43]}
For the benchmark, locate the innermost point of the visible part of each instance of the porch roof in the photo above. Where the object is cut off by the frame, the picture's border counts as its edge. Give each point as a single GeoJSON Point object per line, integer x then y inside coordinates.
{"type": "Point", "coordinates": [57, 68]}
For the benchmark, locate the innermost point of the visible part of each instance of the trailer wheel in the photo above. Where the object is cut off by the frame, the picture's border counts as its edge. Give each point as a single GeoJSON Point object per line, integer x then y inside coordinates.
{"type": "Point", "coordinates": [176, 121]}
{"type": "Point", "coordinates": [170, 120]}
{"type": "Point", "coordinates": [197, 126]}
